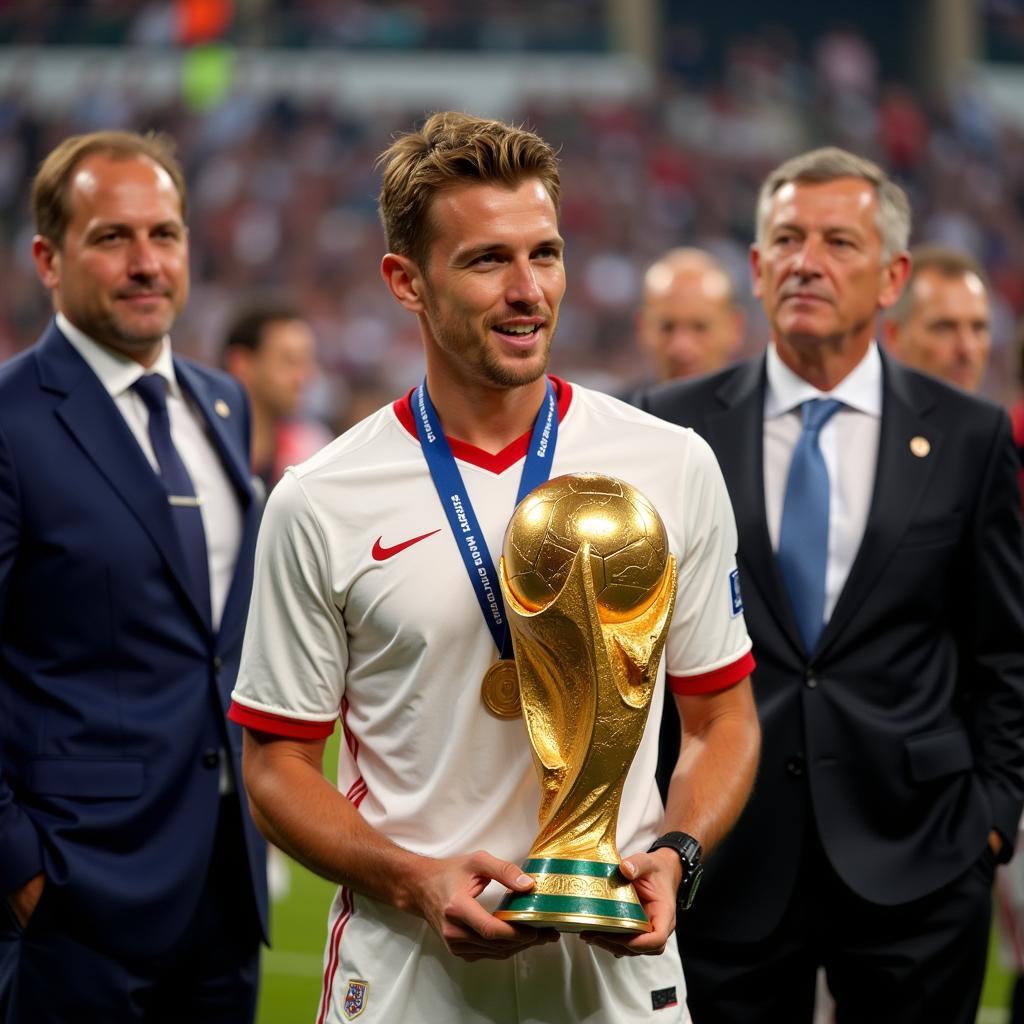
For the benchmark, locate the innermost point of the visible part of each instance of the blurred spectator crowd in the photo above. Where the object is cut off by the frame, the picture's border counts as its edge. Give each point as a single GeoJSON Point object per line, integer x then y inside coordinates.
{"type": "Point", "coordinates": [283, 196]}
{"type": "Point", "coordinates": [554, 25]}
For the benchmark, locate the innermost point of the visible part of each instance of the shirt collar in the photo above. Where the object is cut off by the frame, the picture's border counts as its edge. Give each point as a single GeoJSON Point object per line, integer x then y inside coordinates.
{"type": "Point", "coordinates": [117, 373]}
{"type": "Point", "coordinates": [860, 389]}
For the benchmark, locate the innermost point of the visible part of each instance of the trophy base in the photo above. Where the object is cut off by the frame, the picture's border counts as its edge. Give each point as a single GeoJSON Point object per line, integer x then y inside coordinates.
{"type": "Point", "coordinates": [575, 896]}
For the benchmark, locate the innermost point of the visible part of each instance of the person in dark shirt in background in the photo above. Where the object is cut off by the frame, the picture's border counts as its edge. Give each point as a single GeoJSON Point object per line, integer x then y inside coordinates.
{"type": "Point", "coordinates": [271, 349]}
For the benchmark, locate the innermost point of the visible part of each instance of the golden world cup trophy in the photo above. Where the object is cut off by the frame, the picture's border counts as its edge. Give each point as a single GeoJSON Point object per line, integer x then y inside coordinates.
{"type": "Point", "coordinates": [589, 589]}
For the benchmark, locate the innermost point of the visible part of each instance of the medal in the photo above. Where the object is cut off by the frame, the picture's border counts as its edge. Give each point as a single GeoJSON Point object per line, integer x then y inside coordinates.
{"type": "Point", "coordinates": [500, 689]}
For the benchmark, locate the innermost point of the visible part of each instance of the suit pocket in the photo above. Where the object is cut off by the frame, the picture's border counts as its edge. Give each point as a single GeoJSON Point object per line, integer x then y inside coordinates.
{"type": "Point", "coordinates": [930, 755]}
{"type": "Point", "coordinates": [83, 777]}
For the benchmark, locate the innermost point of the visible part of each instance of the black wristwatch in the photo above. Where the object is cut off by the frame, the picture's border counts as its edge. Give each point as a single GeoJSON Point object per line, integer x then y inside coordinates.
{"type": "Point", "coordinates": [688, 850]}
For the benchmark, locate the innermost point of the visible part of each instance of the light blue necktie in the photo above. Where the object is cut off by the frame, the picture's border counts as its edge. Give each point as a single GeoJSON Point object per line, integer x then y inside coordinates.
{"type": "Point", "coordinates": [803, 537]}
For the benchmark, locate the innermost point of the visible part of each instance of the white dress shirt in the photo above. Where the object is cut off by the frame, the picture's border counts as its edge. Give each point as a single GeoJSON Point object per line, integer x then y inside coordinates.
{"type": "Point", "coordinates": [849, 446]}
{"type": "Point", "coordinates": [218, 502]}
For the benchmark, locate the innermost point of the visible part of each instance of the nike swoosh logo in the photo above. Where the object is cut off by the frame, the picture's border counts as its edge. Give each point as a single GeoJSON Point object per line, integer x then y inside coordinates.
{"type": "Point", "coordinates": [380, 553]}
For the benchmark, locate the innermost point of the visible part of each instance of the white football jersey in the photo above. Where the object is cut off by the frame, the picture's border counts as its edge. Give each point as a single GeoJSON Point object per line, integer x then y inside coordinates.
{"type": "Point", "coordinates": [362, 610]}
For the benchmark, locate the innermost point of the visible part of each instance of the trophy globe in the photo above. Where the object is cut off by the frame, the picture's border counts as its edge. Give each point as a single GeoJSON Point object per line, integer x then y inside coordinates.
{"type": "Point", "coordinates": [626, 537]}
{"type": "Point", "coordinates": [589, 587]}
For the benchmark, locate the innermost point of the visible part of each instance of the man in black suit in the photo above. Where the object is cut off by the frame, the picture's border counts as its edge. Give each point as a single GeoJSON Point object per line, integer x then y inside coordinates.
{"type": "Point", "coordinates": [881, 561]}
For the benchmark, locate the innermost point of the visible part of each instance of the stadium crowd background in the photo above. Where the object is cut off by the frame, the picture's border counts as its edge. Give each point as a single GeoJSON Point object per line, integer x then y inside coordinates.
{"type": "Point", "coordinates": [283, 185]}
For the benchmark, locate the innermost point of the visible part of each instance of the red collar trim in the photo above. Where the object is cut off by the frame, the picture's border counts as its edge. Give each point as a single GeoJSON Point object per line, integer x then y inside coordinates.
{"type": "Point", "coordinates": [465, 452]}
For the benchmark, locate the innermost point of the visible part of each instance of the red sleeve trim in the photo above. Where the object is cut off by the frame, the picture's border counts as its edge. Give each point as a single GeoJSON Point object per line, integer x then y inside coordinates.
{"type": "Point", "coordinates": [278, 725]}
{"type": "Point", "coordinates": [711, 682]}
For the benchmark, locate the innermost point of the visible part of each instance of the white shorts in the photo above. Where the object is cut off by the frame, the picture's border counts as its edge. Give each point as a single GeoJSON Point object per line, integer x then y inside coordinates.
{"type": "Point", "coordinates": [384, 966]}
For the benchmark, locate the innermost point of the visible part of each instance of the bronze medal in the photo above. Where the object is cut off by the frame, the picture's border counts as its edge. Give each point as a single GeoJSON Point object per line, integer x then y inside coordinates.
{"type": "Point", "coordinates": [500, 689]}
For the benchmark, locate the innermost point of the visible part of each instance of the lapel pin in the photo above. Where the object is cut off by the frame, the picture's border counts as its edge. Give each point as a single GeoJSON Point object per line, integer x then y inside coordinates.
{"type": "Point", "coordinates": [920, 446]}
{"type": "Point", "coordinates": [220, 407]}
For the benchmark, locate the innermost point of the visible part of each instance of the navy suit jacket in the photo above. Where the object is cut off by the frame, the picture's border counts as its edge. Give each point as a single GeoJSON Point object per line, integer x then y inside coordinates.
{"type": "Point", "coordinates": [113, 686]}
{"type": "Point", "coordinates": [900, 738]}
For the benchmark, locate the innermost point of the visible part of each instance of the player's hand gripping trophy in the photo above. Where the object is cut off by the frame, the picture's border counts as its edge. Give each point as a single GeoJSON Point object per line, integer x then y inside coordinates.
{"type": "Point", "coordinates": [589, 589]}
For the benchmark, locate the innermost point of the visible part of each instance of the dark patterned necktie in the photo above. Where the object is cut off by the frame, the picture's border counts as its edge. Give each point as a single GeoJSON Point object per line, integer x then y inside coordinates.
{"type": "Point", "coordinates": [152, 389]}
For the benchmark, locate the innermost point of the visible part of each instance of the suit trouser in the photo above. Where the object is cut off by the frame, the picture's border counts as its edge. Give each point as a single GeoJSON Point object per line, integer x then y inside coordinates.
{"type": "Point", "coordinates": [916, 963]}
{"type": "Point", "coordinates": [53, 976]}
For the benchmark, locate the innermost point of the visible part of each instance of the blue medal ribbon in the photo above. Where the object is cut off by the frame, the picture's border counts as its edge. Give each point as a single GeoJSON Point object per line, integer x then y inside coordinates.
{"type": "Point", "coordinates": [462, 519]}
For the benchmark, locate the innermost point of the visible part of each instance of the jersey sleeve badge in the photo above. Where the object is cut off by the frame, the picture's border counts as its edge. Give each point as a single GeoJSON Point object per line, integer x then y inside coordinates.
{"type": "Point", "coordinates": [734, 593]}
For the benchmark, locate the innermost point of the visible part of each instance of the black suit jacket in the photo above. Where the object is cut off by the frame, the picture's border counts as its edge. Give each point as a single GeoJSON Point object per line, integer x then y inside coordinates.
{"type": "Point", "coordinates": [113, 685]}
{"type": "Point", "coordinates": [900, 739]}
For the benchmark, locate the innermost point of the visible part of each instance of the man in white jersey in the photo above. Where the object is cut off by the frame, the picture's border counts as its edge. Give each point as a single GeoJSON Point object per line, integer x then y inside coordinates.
{"type": "Point", "coordinates": [363, 610]}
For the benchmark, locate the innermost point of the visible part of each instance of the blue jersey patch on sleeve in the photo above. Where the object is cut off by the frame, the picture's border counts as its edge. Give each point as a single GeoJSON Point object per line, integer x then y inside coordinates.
{"type": "Point", "coordinates": [734, 592]}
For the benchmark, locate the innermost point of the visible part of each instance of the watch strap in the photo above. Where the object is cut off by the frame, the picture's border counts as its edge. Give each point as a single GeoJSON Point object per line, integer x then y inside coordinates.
{"type": "Point", "coordinates": [688, 849]}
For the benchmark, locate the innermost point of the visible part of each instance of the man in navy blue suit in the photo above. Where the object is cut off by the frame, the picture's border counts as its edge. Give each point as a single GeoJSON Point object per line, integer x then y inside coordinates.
{"type": "Point", "coordinates": [133, 880]}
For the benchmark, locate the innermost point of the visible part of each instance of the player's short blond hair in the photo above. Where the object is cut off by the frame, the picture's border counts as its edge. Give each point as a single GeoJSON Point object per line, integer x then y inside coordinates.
{"type": "Point", "coordinates": [453, 149]}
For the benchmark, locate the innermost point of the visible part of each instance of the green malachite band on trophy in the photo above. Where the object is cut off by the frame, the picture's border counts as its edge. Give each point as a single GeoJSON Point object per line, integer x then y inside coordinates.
{"type": "Point", "coordinates": [562, 866]}
{"type": "Point", "coordinates": [576, 895]}
{"type": "Point", "coordinates": [575, 905]}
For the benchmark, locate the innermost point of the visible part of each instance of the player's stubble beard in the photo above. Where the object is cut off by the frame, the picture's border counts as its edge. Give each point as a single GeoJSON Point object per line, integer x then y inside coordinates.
{"type": "Point", "coordinates": [471, 355]}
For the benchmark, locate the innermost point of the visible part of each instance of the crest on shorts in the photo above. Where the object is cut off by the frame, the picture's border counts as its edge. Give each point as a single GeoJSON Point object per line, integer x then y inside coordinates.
{"type": "Point", "coordinates": [355, 998]}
